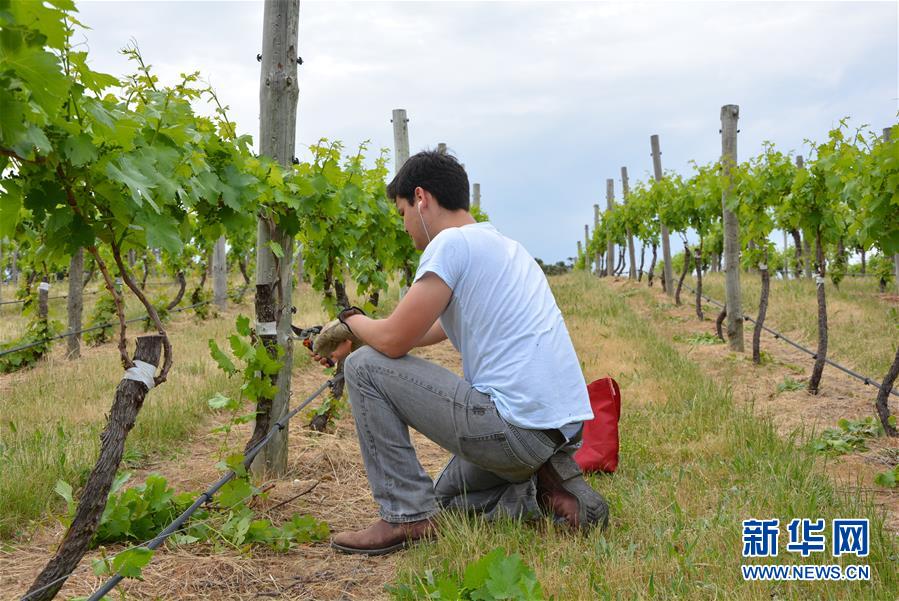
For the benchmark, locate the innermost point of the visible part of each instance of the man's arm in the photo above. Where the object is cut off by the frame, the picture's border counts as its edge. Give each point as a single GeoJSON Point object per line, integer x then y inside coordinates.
{"type": "Point", "coordinates": [433, 336]}
{"type": "Point", "coordinates": [412, 322]}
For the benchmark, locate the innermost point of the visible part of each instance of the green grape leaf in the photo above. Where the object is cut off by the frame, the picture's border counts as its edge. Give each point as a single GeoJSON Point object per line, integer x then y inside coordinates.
{"type": "Point", "coordinates": [162, 230]}
{"type": "Point", "coordinates": [130, 563]}
{"type": "Point", "coordinates": [43, 76]}
{"type": "Point", "coordinates": [243, 325]}
{"type": "Point", "coordinates": [64, 490]}
{"type": "Point", "coordinates": [79, 149]}
{"type": "Point", "coordinates": [128, 174]}
{"type": "Point", "coordinates": [220, 401]}
{"type": "Point", "coordinates": [224, 362]}
{"type": "Point", "coordinates": [276, 249]}
{"type": "Point", "coordinates": [234, 492]}
{"type": "Point", "coordinates": [10, 206]}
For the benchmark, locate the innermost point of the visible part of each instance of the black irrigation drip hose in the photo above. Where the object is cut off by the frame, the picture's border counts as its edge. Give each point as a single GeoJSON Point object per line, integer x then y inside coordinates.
{"type": "Point", "coordinates": [12, 302]}
{"type": "Point", "coordinates": [157, 541]}
{"type": "Point", "coordinates": [90, 329]}
{"type": "Point", "coordinates": [868, 381]}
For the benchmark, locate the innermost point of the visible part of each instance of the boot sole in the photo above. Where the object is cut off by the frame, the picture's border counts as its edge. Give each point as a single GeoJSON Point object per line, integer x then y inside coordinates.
{"type": "Point", "coordinates": [381, 551]}
{"type": "Point", "coordinates": [593, 509]}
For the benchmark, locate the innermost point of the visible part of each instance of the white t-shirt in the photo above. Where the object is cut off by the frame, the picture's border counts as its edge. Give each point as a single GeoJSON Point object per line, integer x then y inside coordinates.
{"type": "Point", "coordinates": [504, 321]}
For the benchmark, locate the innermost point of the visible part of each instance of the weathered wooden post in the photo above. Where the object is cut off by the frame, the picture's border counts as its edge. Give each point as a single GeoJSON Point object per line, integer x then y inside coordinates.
{"type": "Point", "coordinates": [631, 252]}
{"type": "Point", "coordinates": [586, 247]}
{"type": "Point", "coordinates": [801, 253]}
{"type": "Point", "coordinates": [887, 136]}
{"type": "Point", "coordinates": [14, 267]}
{"type": "Point", "coordinates": [400, 138]}
{"type": "Point", "coordinates": [220, 274]}
{"type": "Point", "coordinates": [730, 113]}
{"type": "Point", "coordinates": [441, 147]}
{"type": "Point", "coordinates": [610, 243]}
{"type": "Point", "coordinates": [278, 94]}
{"type": "Point", "coordinates": [75, 304]}
{"type": "Point", "coordinates": [476, 195]}
{"type": "Point", "coordinates": [299, 263]}
{"type": "Point", "coordinates": [43, 299]}
{"type": "Point", "coordinates": [666, 244]}
{"type": "Point", "coordinates": [401, 155]}
{"type": "Point", "coordinates": [579, 251]}
{"type": "Point", "coordinates": [597, 269]}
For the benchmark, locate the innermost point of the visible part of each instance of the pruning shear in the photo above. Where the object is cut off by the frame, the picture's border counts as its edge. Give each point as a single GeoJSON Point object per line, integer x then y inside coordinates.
{"type": "Point", "coordinates": [307, 336]}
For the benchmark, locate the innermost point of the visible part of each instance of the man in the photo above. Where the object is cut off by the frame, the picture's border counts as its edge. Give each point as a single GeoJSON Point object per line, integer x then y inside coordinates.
{"type": "Point", "coordinates": [513, 420]}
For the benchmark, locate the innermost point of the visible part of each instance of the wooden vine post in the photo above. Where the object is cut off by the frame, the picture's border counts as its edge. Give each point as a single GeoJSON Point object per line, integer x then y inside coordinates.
{"type": "Point", "coordinates": [596, 270]}
{"type": "Point", "coordinates": [806, 248]}
{"type": "Point", "coordinates": [75, 303]}
{"type": "Point", "coordinates": [400, 138]}
{"type": "Point", "coordinates": [14, 267]}
{"type": "Point", "coordinates": [278, 94]}
{"type": "Point", "coordinates": [797, 236]}
{"type": "Point", "coordinates": [631, 253]}
{"type": "Point", "coordinates": [667, 273]}
{"type": "Point", "coordinates": [43, 299]}
{"type": "Point", "coordinates": [730, 113]}
{"type": "Point", "coordinates": [219, 274]}
{"type": "Point", "coordinates": [610, 243]}
{"type": "Point", "coordinates": [401, 155]}
{"type": "Point", "coordinates": [886, 138]}
{"type": "Point", "coordinates": [586, 247]}
{"type": "Point", "coordinates": [476, 195]}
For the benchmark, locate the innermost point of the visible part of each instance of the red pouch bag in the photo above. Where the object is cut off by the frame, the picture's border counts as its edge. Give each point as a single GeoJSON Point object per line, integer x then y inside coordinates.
{"type": "Point", "coordinates": [599, 451]}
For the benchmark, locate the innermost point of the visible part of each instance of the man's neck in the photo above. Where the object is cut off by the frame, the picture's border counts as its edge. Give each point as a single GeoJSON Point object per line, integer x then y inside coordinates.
{"type": "Point", "coordinates": [448, 219]}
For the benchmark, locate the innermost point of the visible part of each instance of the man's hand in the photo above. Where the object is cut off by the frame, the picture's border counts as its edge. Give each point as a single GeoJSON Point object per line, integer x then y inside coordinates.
{"type": "Point", "coordinates": [410, 322]}
{"type": "Point", "coordinates": [339, 354]}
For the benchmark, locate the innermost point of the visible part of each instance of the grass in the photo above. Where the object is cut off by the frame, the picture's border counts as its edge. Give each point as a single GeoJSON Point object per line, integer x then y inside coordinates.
{"type": "Point", "coordinates": [52, 415]}
{"type": "Point", "coordinates": [863, 326]}
{"type": "Point", "coordinates": [13, 323]}
{"type": "Point", "coordinates": [789, 384]}
{"type": "Point", "coordinates": [693, 466]}
{"type": "Point", "coordinates": [701, 338]}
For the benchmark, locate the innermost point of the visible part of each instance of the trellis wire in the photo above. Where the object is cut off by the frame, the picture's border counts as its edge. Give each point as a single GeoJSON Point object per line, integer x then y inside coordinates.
{"type": "Point", "coordinates": [12, 302]}
{"type": "Point", "coordinates": [156, 542]}
{"type": "Point", "coordinates": [176, 525]}
{"type": "Point", "coordinates": [868, 381]}
{"type": "Point", "coordinates": [90, 329]}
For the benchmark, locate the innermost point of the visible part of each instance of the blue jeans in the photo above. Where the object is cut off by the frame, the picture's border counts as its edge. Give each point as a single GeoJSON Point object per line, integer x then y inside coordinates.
{"type": "Point", "coordinates": [492, 469]}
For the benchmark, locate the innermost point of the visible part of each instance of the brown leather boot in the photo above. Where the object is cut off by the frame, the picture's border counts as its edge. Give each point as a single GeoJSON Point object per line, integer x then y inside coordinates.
{"type": "Point", "coordinates": [383, 537]}
{"type": "Point", "coordinates": [563, 493]}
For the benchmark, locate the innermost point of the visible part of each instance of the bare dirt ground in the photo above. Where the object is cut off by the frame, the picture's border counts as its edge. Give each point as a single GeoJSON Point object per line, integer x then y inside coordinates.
{"type": "Point", "coordinates": [327, 463]}
{"type": "Point", "coordinates": [840, 395]}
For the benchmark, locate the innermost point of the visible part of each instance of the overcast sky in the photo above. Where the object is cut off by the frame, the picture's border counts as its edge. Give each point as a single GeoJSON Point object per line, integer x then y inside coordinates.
{"type": "Point", "coordinates": [542, 102]}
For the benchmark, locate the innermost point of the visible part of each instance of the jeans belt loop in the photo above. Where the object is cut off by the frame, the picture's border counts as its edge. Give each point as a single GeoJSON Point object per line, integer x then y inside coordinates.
{"type": "Point", "coordinates": [556, 436]}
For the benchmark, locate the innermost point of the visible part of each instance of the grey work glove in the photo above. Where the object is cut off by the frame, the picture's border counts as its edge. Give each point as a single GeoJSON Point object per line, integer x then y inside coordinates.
{"type": "Point", "coordinates": [332, 334]}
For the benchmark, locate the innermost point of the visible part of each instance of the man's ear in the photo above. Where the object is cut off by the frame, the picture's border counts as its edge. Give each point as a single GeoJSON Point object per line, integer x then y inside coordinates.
{"type": "Point", "coordinates": [423, 196]}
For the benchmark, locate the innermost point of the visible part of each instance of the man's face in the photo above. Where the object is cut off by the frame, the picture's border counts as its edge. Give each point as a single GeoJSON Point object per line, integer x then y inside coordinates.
{"type": "Point", "coordinates": [411, 222]}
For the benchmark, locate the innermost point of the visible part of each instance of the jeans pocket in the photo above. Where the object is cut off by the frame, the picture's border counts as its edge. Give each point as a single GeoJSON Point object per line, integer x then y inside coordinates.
{"type": "Point", "coordinates": [533, 446]}
{"type": "Point", "coordinates": [493, 453]}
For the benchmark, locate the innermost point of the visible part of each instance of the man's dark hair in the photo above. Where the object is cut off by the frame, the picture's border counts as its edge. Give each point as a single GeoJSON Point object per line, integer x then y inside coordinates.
{"type": "Point", "coordinates": [438, 173]}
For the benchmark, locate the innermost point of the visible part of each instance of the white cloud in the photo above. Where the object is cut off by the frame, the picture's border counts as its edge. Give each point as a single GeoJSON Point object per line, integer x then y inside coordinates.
{"type": "Point", "coordinates": [541, 101]}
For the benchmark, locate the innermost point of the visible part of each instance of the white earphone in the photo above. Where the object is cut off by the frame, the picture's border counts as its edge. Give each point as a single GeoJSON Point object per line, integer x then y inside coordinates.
{"type": "Point", "coordinates": [418, 206]}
